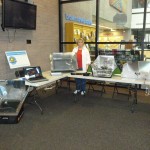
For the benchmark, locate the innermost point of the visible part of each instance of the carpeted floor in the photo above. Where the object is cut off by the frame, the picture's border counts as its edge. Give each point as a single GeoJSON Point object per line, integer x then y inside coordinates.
{"type": "Point", "coordinates": [93, 123]}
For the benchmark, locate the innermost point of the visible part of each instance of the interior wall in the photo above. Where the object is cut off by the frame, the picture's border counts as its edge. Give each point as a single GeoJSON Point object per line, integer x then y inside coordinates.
{"type": "Point", "coordinates": [107, 12]}
{"type": "Point", "coordinates": [44, 40]}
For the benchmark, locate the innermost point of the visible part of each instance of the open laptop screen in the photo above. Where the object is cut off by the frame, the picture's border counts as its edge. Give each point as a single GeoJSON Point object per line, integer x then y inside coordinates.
{"type": "Point", "coordinates": [33, 72]}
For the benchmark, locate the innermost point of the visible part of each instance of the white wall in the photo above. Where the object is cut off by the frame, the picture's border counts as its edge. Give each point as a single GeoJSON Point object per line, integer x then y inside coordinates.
{"type": "Point", "coordinates": [44, 39]}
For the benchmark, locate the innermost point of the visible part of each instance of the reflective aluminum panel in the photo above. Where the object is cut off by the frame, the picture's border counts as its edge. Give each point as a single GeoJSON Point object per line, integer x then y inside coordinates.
{"type": "Point", "coordinates": [63, 62]}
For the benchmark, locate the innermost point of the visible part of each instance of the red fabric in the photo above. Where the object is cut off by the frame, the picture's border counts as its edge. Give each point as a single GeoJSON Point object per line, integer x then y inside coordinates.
{"type": "Point", "coordinates": [79, 58]}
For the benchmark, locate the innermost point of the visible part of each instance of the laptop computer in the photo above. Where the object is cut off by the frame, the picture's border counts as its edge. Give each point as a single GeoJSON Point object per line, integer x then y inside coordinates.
{"type": "Point", "coordinates": [34, 74]}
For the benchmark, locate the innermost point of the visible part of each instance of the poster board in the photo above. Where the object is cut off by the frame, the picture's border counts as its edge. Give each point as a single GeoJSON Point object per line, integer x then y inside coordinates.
{"type": "Point", "coordinates": [17, 59]}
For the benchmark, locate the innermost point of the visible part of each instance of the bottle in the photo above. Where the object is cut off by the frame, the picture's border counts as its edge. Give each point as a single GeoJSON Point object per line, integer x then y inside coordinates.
{"type": "Point", "coordinates": [3, 91]}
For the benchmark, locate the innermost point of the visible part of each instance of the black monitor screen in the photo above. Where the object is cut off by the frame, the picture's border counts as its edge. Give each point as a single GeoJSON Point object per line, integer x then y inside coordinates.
{"type": "Point", "coordinates": [16, 14]}
{"type": "Point", "coordinates": [33, 71]}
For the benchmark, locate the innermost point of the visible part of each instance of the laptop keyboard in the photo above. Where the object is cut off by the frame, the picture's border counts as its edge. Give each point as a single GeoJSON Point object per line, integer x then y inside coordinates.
{"type": "Point", "coordinates": [38, 79]}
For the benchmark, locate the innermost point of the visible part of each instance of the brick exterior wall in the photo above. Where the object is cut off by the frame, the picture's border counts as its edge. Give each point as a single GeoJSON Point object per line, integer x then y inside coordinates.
{"type": "Point", "coordinates": [44, 40]}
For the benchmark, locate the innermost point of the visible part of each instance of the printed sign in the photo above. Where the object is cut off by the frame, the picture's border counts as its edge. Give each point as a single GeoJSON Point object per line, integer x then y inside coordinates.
{"type": "Point", "coordinates": [17, 59]}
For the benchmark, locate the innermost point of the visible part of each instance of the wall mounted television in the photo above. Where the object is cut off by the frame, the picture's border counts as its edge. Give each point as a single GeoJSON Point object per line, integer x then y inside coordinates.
{"type": "Point", "coordinates": [18, 14]}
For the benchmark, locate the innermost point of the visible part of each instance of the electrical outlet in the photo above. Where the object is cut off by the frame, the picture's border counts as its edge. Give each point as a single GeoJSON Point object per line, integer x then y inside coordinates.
{"type": "Point", "coordinates": [28, 41]}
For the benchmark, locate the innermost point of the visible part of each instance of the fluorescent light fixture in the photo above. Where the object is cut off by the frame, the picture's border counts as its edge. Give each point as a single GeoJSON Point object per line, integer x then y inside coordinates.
{"type": "Point", "coordinates": [113, 30]}
{"type": "Point", "coordinates": [105, 27]}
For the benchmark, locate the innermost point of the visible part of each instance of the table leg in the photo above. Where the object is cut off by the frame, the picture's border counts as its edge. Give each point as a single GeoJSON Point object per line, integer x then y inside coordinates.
{"type": "Point", "coordinates": [134, 90]}
{"type": "Point", "coordinates": [33, 94]}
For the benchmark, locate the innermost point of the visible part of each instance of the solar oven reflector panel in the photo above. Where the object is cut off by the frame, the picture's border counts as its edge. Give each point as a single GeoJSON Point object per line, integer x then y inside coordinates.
{"type": "Point", "coordinates": [63, 62]}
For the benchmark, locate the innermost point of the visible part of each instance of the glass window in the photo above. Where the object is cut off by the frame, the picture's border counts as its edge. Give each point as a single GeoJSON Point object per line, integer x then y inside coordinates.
{"type": "Point", "coordinates": [119, 21]}
{"type": "Point", "coordinates": [147, 37]}
{"type": "Point", "coordinates": [78, 23]}
{"type": "Point", "coordinates": [140, 4]}
{"type": "Point", "coordinates": [115, 22]}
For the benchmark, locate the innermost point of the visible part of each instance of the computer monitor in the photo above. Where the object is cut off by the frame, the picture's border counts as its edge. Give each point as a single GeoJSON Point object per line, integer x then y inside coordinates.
{"type": "Point", "coordinates": [63, 62]}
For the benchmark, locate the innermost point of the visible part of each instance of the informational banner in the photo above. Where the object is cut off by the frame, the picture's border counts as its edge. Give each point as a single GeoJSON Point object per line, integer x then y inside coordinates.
{"type": "Point", "coordinates": [17, 59]}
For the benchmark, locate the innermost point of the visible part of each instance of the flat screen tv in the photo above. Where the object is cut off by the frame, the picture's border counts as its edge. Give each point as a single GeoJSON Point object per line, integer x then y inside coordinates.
{"type": "Point", "coordinates": [17, 14]}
